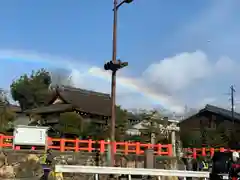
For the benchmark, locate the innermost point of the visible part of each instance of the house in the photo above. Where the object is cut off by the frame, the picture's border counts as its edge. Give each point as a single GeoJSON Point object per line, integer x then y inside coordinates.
{"type": "Point", "coordinates": [91, 105]}
{"type": "Point", "coordinates": [210, 118]}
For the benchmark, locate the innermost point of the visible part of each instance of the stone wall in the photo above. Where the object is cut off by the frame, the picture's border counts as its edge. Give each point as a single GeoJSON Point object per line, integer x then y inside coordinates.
{"type": "Point", "coordinates": [26, 164]}
{"type": "Point", "coordinates": [16, 164]}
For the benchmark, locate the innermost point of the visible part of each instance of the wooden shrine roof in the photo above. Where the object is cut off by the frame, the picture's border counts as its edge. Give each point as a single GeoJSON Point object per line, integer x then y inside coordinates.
{"type": "Point", "coordinates": [80, 99]}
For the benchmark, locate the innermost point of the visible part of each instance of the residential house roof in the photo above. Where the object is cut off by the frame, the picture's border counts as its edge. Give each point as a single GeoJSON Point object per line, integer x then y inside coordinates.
{"type": "Point", "coordinates": [217, 110]}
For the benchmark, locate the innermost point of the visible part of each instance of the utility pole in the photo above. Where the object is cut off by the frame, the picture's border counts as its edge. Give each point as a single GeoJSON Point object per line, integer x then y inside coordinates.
{"type": "Point", "coordinates": [113, 86]}
{"type": "Point", "coordinates": [232, 142]}
{"type": "Point", "coordinates": [114, 65]}
{"type": "Point", "coordinates": [232, 102]}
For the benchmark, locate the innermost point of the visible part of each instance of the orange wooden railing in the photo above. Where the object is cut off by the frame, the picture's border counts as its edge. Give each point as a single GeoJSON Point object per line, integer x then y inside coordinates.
{"type": "Point", "coordinates": [197, 152]}
{"type": "Point", "coordinates": [90, 146]}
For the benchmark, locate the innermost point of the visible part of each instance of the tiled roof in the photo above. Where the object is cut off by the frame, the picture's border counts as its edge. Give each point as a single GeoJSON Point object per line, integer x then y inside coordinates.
{"type": "Point", "coordinates": [87, 101]}
{"type": "Point", "coordinates": [74, 98]}
{"type": "Point", "coordinates": [50, 109]}
{"type": "Point", "coordinates": [217, 110]}
{"type": "Point", "coordinates": [223, 112]}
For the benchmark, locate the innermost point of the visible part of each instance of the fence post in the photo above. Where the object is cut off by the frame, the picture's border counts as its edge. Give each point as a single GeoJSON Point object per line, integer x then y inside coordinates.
{"type": "Point", "coordinates": [62, 145]}
{"type": "Point", "coordinates": [1, 141]}
{"type": "Point", "coordinates": [76, 145]}
{"type": "Point", "coordinates": [203, 151]}
{"type": "Point", "coordinates": [149, 158]}
{"type": "Point", "coordinates": [170, 152]}
{"type": "Point", "coordinates": [212, 151]}
{"type": "Point", "coordinates": [194, 153]}
{"type": "Point", "coordinates": [159, 149]}
{"type": "Point", "coordinates": [138, 150]}
{"type": "Point", "coordinates": [102, 146]}
{"type": "Point", "coordinates": [126, 148]}
{"type": "Point", "coordinates": [90, 145]}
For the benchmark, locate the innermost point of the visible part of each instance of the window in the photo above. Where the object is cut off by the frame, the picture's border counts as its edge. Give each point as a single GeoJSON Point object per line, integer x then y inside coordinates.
{"type": "Point", "coordinates": [212, 123]}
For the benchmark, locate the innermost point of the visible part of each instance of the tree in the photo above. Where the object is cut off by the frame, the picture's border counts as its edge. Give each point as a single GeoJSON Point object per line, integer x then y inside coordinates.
{"type": "Point", "coordinates": [6, 116]}
{"type": "Point", "coordinates": [31, 91]}
{"type": "Point", "coordinates": [219, 137]}
{"type": "Point", "coordinates": [191, 139]}
{"type": "Point", "coordinates": [70, 123]}
{"type": "Point", "coordinates": [121, 123]}
{"type": "Point", "coordinates": [154, 128]}
{"type": "Point", "coordinates": [103, 132]}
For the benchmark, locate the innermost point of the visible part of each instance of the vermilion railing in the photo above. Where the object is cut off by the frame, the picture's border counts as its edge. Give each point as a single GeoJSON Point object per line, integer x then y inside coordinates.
{"type": "Point", "coordinates": [91, 145]}
{"type": "Point", "coordinates": [120, 147]}
{"type": "Point", "coordinates": [196, 152]}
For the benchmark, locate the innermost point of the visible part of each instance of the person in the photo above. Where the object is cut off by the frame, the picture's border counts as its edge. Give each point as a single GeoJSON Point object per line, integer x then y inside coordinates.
{"type": "Point", "coordinates": [235, 166]}
{"type": "Point", "coordinates": [50, 157]}
{"type": "Point", "coordinates": [188, 165]}
{"type": "Point", "coordinates": [46, 161]}
{"type": "Point", "coordinates": [204, 166]}
{"type": "Point", "coordinates": [221, 162]}
{"type": "Point", "coordinates": [235, 156]}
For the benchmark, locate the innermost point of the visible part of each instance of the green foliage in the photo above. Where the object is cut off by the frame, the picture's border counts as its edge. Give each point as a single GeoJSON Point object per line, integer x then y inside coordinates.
{"type": "Point", "coordinates": [6, 115]}
{"type": "Point", "coordinates": [103, 132]}
{"type": "Point", "coordinates": [191, 139]}
{"type": "Point", "coordinates": [209, 137]}
{"type": "Point", "coordinates": [30, 91]}
{"type": "Point", "coordinates": [121, 123]}
{"type": "Point", "coordinates": [218, 137]}
{"type": "Point", "coordinates": [71, 123]}
{"type": "Point", "coordinates": [96, 132]}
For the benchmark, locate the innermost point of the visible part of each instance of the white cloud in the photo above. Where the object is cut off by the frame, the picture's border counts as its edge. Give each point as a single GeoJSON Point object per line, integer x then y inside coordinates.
{"type": "Point", "coordinates": [178, 72]}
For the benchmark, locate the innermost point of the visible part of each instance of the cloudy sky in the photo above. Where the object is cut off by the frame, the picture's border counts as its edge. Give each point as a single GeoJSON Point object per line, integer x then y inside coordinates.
{"type": "Point", "coordinates": [179, 52]}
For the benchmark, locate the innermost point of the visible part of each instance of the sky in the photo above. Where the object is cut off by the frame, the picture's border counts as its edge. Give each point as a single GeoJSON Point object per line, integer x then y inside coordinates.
{"type": "Point", "coordinates": [180, 53]}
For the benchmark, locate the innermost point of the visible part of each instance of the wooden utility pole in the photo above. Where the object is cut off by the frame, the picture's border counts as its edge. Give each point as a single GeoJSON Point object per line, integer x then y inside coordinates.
{"type": "Point", "coordinates": [114, 65]}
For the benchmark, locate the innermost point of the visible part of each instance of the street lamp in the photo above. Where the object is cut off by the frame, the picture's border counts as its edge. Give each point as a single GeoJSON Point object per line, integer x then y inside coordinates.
{"type": "Point", "coordinates": [114, 65]}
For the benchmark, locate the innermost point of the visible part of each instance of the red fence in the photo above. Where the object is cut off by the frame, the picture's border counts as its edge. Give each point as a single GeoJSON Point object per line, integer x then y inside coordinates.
{"type": "Point", "coordinates": [120, 147]}
{"type": "Point", "coordinates": [90, 145]}
{"type": "Point", "coordinates": [197, 152]}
